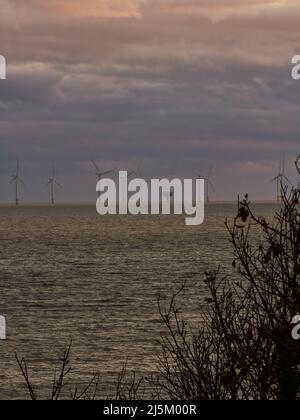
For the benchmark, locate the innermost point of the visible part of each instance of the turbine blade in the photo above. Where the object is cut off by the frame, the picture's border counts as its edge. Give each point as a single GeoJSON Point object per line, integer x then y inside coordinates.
{"type": "Point", "coordinates": [131, 174]}
{"type": "Point", "coordinates": [107, 172]}
{"type": "Point", "coordinates": [211, 185]}
{"type": "Point", "coordinates": [283, 166]}
{"type": "Point", "coordinates": [275, 179]}
{"type": "Point", "coordinates": [286, 178]}
{"type": "Point", "coordinates": [96, 166]}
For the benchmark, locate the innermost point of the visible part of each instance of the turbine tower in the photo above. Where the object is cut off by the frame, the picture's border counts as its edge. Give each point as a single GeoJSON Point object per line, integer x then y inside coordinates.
{"type": "Point", "coordinates": [52, 181]}
{"type": "Point", "coordinates": [280, 178]}
{"type": "Point", "coordinates": [208, 184]}
{"type": "Point", "coordinates": [17, 180]}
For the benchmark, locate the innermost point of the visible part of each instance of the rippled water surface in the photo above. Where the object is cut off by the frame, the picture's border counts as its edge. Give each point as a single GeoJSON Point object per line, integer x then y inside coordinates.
{"type": "Point", "coordinates": [67, 273]}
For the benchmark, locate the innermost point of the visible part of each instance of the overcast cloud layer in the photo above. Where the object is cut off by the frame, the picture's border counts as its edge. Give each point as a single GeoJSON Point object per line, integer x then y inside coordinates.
{"type": "Point", "coordinates": [174, 86]}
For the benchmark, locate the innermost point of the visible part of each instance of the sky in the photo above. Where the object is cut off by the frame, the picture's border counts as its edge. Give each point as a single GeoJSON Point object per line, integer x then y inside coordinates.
{"type": "Point", "coordinates": [171, 86]}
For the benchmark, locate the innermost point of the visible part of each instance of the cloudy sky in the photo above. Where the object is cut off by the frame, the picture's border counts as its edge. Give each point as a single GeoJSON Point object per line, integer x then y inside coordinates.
{"type": "Point", "coordinates": [173, 86]}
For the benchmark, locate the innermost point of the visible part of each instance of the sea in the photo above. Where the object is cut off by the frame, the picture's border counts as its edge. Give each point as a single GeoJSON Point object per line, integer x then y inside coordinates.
{"type": "Point", "coordinates": [68, 274]}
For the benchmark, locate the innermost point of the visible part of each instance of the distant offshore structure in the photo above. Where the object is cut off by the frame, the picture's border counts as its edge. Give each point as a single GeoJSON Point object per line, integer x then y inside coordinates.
{"type": "Point", "coordinates": [281, 180]}
{"type": "Point", "coordinates": [208, 183]}
{"type": "Point", "coordinates": [52, 182]}
{"type": "Point", "coordinates": [17, 181]}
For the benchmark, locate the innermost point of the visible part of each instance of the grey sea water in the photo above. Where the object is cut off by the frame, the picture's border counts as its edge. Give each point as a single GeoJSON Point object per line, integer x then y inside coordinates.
{"type": "Point", "coordinates": [67, 273]}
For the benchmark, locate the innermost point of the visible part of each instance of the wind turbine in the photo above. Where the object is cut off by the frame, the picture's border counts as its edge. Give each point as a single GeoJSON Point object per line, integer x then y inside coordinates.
{"type": "Point", "coordinates": [99, 174]}
{"type": "Point", "coordinates": [280, 178]}
{"type": "Point", "coordinates": [208, 184]}
{"type": "Point", "coordinates": [131, 173]}
{"type": "Point", "coordinates": [17, 180]}
{"type": "Point", "coordinates": [136, 172]}
{"type": "Point", "coordinates": [52, 181]}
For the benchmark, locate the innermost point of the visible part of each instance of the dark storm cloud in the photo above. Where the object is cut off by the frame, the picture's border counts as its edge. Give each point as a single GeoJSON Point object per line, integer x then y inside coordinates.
{"type": "Point", "coordinates": [176, 86]}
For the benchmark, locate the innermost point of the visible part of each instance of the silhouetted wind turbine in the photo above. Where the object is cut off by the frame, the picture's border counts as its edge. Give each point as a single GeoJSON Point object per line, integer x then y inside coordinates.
{"type": "Point", "coordinates": [280, 178]}
{"type": "Point", "coordinates": [98, 172]}
{"type": "Point", "coordinates": [53, 182]}
{"type": "Point", "coordinates": [208, 183]}
{"type": "Point", "coordinates": [17, 180]}
{"type": "Point", "coordinates": [137, 172]}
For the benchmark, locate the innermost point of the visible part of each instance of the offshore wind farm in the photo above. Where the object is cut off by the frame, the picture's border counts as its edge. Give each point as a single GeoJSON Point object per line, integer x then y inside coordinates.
{"type": "Point", "coordinates": [20, 189]}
